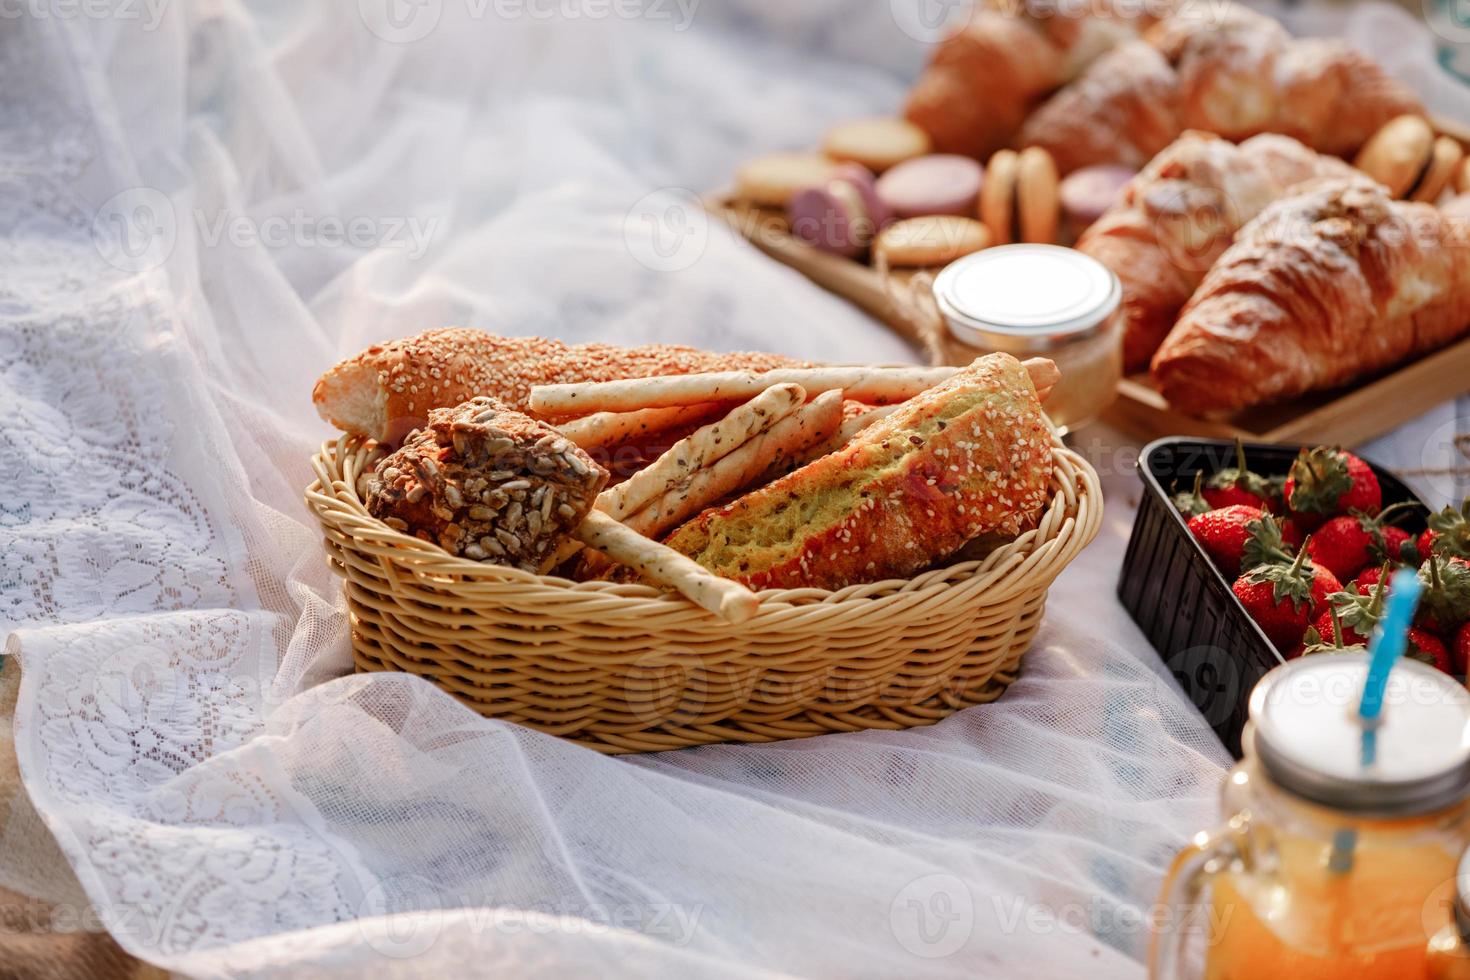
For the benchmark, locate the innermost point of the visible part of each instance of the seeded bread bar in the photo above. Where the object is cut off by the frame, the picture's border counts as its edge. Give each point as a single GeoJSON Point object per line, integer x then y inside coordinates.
{"type": "Point", "coordinates": [486, 483]}
{"type": "Point", "coordinates": [968, 457]}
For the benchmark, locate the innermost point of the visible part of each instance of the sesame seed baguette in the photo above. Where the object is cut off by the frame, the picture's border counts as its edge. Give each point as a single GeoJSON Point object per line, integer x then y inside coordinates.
{"type": "Point", "coordinates": [699, 449]}
{"type": "Point", "coordinates": [657, 563]}
{"type": "Point", "coordinates": [613, 428]}
{"type": "Point", "coordinates": [869, 384]}
{"type": "Point", "coordinates": [749, 464]}
{"type": "Point", "coordinates": [387, 390]}
{"type": "Point", "coordinates": [971, 456]}
{"type": "Point", "coordinates": [873, 385]}
{"type": "Point", "coordinates": [848, 430]}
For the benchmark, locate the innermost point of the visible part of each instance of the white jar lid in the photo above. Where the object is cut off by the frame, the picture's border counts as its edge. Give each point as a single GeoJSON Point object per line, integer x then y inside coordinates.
{"type": "Point", "coordinates": [1026, 297]}
{"type": "Point", "coordinates": [1305, 730]}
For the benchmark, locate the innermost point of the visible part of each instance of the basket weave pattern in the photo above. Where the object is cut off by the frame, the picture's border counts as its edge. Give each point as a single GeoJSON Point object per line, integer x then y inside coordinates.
{"type": "Point", "coordinates": [627, 668]}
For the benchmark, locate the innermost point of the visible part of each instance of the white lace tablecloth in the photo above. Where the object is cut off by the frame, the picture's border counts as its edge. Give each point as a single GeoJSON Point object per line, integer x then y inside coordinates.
{"type": "Point", "coordinates": [204, 205]}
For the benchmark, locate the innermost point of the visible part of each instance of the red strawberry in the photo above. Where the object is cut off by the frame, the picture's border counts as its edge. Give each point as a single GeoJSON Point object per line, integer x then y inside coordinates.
{"type": "Point", "coordinates": [1292, 533]}
{"type": "Point", "coordinates": [1347, 543]}
{"type": "Point", "coordinates": [1424, 646]}
{"type": "Point", "coordinates": [1238, 485]}
{"type": "Point", "coordinates": [1325, 482]}
{"type": "Point", "coordinates": [1353, 613]}
{"type": "Point", "coordinates": [1283, 598]}
{"type": "Point", "coordinates": [1448, 533]}
{"type": "Point", "coordinates": [1368, 578]}
{"type": "Point", "coordinates": [1460, 654]}
{"type": "Point", "coordinates": [1227, 534]}
{"type": "Point", "coordinates": [1445, 604]}
{"type": "Point", "coordinates": [1191, 503]}
{"type": "Point", "coordinates": [1319, 640]}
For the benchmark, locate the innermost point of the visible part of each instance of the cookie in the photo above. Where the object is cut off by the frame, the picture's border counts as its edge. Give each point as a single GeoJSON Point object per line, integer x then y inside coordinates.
{"type": "Point", "coordinates": [1444, 161]}
{"type": "Point", "coordinates": [1019, 201]}
{"type": "Point", "coordinates": [1037, 207]}
{"type": "Point", "coordinates": [940, 183]}
{"type": "Point", "coordinates": [930, 240]}
{"type": "Point", "coordinates": [840, 215]}
{"type": "Point", "coordinates": [1398, 153]}
{"type": "Point", "coordinates": [771, 180]}
{"type": "Point", "coordinates": [1085, 194]}
{"type": "Point", "coordinates": [876, 143]}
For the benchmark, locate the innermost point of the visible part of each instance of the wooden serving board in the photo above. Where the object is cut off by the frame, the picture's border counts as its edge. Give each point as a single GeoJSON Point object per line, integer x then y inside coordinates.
{"type": "Point", "coordinates": [1349, 416]}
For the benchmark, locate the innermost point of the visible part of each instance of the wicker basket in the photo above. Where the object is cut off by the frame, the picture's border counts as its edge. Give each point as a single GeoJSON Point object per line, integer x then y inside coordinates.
{"type": "Point", "coordinates": [626, 668]}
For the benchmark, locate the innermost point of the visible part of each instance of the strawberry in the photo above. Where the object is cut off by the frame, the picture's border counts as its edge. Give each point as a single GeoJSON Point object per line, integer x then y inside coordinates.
{"type": "Point", "coordinates": [1292, 533]}
{"type": "Point", "coordinates": [1283, 598]}
{"type": "Point", "coordinates": [1325, 482]}
{"type": "Point", "coordinates": [1230, 534]}
{"type": "Point", "coordinates": [1192, 503]}
{"type": "Point", "coordinates": [1347, 543]}
{"type": "Point", "coordinates": [1460, 654]}
{"type": "Point", "coordinates": [1238, 485]}
{"type": "Point", "coordinates": [1427, 648]}
{"type": "Point", "coordinates": [1368, 578]}
{"type": "Point", "coordinates": [1445, 604]}
{"type": "Point", "coordinates": [1320, 641]}
{"type": "Point", "coordinates": [1448, 533]}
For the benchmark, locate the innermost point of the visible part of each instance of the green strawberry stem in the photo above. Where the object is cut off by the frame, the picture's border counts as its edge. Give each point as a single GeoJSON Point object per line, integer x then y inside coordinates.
{"type": "Point", "coordinates": [1336, 626]}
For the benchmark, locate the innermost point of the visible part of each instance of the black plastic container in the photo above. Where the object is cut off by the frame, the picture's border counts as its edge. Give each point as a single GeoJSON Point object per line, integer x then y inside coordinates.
{"type": "Point", "coordinates": [1182, 602]}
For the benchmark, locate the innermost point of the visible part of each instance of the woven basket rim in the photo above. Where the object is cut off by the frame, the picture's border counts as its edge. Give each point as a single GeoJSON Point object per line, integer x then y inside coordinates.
{"type": "Point", "coordinates": [332, 496]}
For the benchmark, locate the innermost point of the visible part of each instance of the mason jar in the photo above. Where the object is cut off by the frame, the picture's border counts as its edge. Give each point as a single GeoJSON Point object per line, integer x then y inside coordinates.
{"type": "Point", "coordinates": [1040, 301]}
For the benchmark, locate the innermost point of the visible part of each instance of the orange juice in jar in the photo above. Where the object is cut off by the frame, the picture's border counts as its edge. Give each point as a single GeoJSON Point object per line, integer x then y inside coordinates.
{"type": "Point", "coordinates": [1339, 854]}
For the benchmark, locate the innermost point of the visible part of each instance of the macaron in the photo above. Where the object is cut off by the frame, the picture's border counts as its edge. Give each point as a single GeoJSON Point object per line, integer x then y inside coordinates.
{"type": "Point", "coordinates": [1020, 201]}
{"type": "Point", "coordinates": [876, 143]}
{"type": "Point", "coordinates": [930, 240]}
{"type": "Point", "coordinates": [1085, 194]}
{"type": "Point", "coordinates": [771, 180]}
{"type": "Point", "coordinates": [939, 183]}
{"type": "Point", "coordinates": [1398, 154]}
{"type": "Point", "coordinates": [1444, 160]}
{"type": "Point", "coordinates": [841, 215]}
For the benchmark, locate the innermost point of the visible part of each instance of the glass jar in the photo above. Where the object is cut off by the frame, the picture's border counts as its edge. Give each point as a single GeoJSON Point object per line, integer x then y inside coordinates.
{"type": "Point", "coordinates": [1449, 948]}
{"type": "Point", "coordinates": [1339, 849]}
{"type": "Point", "coordinates": [1041, 301]}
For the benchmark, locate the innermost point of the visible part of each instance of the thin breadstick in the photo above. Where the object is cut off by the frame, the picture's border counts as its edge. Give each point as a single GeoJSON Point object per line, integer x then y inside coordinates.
{"type": "Point", "coordinates": [701, 448]}
{"type": "Point", "coordinates": [1044, 375]}
{"type": "Point", "coordinates": [874, 385]}
{"type": "Point", "coordinates": [781, 443]}
{"type": "Point", "coordinates": [721, 596]}
{"type": "Point", "coordinates": [612, 428]}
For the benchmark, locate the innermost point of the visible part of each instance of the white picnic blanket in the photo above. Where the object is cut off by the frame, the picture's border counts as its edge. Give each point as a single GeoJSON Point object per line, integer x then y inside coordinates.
{"type": "Point", "coordinates": [202, 206]}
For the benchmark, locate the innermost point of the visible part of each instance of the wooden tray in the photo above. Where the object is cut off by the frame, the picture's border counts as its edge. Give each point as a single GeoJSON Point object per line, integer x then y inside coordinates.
{"type": "Point", "coordinates": [1348, 416]}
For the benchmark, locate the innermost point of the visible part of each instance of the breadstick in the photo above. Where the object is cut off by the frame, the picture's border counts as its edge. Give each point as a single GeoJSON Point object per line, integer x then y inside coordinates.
{"type": "Point", "coordinates": [785, 441]}
{"type": "Point", "coordinates": [700, 449]}
{"type": "Point", "coordinates": [846, 431]}
{"type": "Point", "coordinates": [729, 600]}
{"type": "Point", "coordinates": [874, 385]}
{"type": "Point", "coordinates": [612, 428]}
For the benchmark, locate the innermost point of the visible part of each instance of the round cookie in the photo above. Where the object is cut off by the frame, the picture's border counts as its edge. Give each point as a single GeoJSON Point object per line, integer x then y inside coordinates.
{"type": "Point", "coordinates": [840, 215]}
{"type": "Point", "coordinates": [1037, 208]}
{"type": "Point", "coordinates": [1397, 153]}
{"type": "Point", "coordinates": [771, 180]}
{"type": "Point", "coordinates": [998, 196]}
{"type": "Point", "coordinates": [1085, 194]}
{"type": "Point", "coordinates": [1444, 161]}
{"type": "Point", "coordinates": [876, 143]}
{"type": "Point", "coordinates": [930, 240]}
{"type": "Point", "coordinates": [940, 183]}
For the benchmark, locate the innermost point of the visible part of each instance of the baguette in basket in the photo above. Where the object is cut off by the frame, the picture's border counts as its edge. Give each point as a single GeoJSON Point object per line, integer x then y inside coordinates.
{"type": "Point", "coordinates": [968, 457]}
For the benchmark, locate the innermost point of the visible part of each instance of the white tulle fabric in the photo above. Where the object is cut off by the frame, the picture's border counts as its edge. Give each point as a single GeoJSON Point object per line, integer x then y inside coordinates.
{"type": "Point", "coordinates": [231, 798]}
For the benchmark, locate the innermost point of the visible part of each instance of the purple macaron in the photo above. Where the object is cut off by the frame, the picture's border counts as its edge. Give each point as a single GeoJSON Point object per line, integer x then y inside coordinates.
{"type": "Point", "coordinates": [1085, 194]}
{"type": "Point", "coordinates": [840, 216]}
{"type": "Point", "coordinates": [940, 183]}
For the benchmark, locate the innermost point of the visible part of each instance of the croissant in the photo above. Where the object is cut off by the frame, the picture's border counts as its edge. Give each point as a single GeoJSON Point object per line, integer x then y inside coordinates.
{"type": "Point", "coordinates": [1224, 69]}
{"type": "Point", "coordinates": [1181, 212]}
{"type": "Point", "coordinates": [985, 77]}
{"type": "Point", "coordinates": [1321, 288]}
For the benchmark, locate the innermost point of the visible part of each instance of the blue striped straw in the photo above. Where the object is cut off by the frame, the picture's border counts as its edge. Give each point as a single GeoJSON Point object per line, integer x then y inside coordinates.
{"type": "Point", "coordinates": [1388, 643]}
